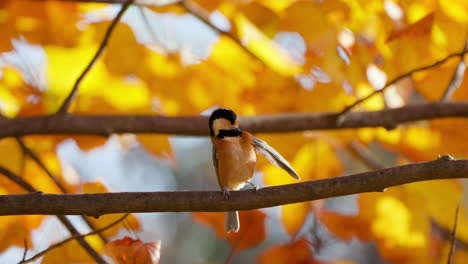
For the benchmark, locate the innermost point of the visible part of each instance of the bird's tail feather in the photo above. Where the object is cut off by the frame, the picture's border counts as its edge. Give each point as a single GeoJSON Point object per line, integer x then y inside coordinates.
{"type": "Point", "coordinates": [232, 221]}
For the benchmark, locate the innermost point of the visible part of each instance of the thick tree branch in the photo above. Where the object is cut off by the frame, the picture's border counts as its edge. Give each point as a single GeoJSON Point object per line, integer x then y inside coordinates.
{"type": "Point", "coordinates": [212, 201]}
{"type": "Point", "coordinates": [106, 125]}
{"type": "Point", "coordinates": [66, 104]}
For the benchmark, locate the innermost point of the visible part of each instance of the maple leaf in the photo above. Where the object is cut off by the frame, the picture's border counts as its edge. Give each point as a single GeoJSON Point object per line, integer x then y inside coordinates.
{"type": "Point", "coordinates": [131, 251]}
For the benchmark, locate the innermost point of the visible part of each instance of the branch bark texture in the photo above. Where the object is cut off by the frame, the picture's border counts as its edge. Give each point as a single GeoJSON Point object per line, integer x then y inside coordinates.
{"type": "Point", "coordinates": [213, 201]}
{"type": "Point", "coordinates": [198, 126]}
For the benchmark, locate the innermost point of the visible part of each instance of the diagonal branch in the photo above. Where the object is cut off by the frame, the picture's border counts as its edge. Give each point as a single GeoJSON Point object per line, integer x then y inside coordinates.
{"type": "Point", "coordinates": [28, 187]}
{"type": "Point", "coordinates": [39, 162]}
{"type": "Point", "coordinates": [198, 125]}
{"type": "Point", "coordinates": [457, 77]}
{"type": "Point", "coordinates": [66, 104]}
{"type": "Point", "coordinates": [454, 237]}
{"type": "Point", "coordinates": [135, 2]}
{"type": "Point", "coordinates": [54, 178]}
{"type": "Point", "coordinates": [199, 12]}
{"type": "Point", "coordinates": [397, 79]}
{"type": "Point", "coordinates": [365, 155]}
{"type": "Point", "coordinates": [213, 201]}
{"type": "Point", "coordinates": [61, 243]}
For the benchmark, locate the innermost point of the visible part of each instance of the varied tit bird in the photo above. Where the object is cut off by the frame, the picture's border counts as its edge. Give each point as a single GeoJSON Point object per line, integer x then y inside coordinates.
{"type": "Point", "coordinates": [234, 157]}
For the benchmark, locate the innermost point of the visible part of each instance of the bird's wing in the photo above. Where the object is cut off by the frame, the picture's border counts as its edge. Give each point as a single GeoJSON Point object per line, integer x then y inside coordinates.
{"type": "Point", "coordinates": [273, 156]}
{"type": "Point", "coordinates": [215, 164]}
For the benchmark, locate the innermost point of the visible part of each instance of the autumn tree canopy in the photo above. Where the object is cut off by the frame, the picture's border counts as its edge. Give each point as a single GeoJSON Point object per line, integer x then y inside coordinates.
{"type": "Point", "coordinates": [364, 98]}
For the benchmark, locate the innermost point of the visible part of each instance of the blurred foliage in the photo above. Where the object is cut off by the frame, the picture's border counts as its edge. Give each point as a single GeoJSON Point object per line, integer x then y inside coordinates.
{"type": "Point", "coordinates": [275, 57]}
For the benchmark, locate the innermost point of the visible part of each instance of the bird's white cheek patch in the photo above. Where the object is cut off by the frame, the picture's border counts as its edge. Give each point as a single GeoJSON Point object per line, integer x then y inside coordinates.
{"type": "Point", "coordinates": [221, 123]}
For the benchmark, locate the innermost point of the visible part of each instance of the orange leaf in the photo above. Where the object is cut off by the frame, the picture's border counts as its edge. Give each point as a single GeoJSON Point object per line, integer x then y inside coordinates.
{"type": "Point", "coordinates": [212, 220]}
{"type": "Point", "coordinates": [88, 142]}
{"type": "Point", "coordinates": [294, 216]}
{"type": "Point", "coordinates": [421, 28]}
{"type": "Point", "coordinates": [344, 226]}
{"type": "Point", "coordinates": [251, 233]}
{"type": "Point", "coordinates": [156, 144]}
{"type": "Point", "coordinates": [296, 252]}
{"type": "Point", "coordinates": [131, 251]}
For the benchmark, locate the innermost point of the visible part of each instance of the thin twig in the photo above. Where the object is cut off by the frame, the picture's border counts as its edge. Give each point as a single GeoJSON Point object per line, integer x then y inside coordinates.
{"type": "Point", "coordinates": [454, 235]}
{"type": "Point", "coordinates": [25, 250]}
{"type": "Point", "coordinates": [457, 77]}
{"type": "Point", "coordinates": [56, 245]}
{"type": "Point", "coordinates": [54, 178]}
{"type": "Point", "coordinates": [147, 23]}
{"type": "Point", "coordinates": [28, 187]}
{"type": "Point", "coordinates": [135, 2]}
{"type": "Point", "coordinates": [199, 12]}
{"type": "Point", "coordinates": [38, 161]}
{"type": "Point", "coordinates": [343, 113]}
{"type": "Point", "coordinates": [363, 153]}
{"type": "Point", "coordinates": [66, 104]}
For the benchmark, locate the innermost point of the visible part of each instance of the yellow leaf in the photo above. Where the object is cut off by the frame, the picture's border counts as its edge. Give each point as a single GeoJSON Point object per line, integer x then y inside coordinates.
{"type": "Point", "coordinates": [15, 229]}
{"type": "Point", "coordinates": [293, 216]}
{"type": "Point", "coordinates": [9, 105]}
{"type": "Point", "coordinates": [11, 154]}
{"type": "Point", "coordinates": [158, 145]}
{"type": "Point", "coordinates": [456, 9]}
{"type": "Point", "coordinates": [314, 160]}
{"type": "Point", "coordinates": [264, 48]}
{"type": "Point", "coordinates": [124, 94]}
{"type": "Point", "coordinates": [71, 252]}
{"type": "Point", "coordinates": [37, 177]}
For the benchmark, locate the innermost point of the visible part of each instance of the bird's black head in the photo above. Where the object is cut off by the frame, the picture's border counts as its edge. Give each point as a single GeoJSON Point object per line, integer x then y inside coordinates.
{"type": "Point", "coordinates": [224, 114]}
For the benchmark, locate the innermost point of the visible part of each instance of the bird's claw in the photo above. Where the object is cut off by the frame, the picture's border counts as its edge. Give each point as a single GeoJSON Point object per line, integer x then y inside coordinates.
{"type": "Point", "coordinates": [255, 186]}
{"type": "Point", "coordinates": [226, 193]}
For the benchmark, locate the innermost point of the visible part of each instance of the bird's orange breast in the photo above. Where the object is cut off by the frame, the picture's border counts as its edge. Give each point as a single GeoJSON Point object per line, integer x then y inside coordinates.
{"type": "Point", "coordinates": [236, 160]}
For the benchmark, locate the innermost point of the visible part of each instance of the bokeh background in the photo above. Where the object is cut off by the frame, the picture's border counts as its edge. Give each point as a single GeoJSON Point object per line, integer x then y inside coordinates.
{"type": "Point", "coordinates": [255, 57]}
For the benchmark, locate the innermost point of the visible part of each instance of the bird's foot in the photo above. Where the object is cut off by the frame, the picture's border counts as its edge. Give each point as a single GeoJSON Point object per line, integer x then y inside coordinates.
{"type": "Point", "coordinates": [226, 193]}
{"type": "Point", "coordinates": [255, 186]}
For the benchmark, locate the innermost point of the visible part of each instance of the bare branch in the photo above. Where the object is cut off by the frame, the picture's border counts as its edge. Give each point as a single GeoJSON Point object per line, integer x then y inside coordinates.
{"type": "Point", "coordinates": [66, 104]}
{"type": "Point", "coordinates": [397, 79]}
{"type": "Point", "coordinates": [135, 2]}
{"type": "Point", "coordinates": [199, 12]}
{"type": "Point", "coordinates": [213, 201]}
{"type": "Point", "coordinates": [38, 161]}
{"type": "Point", "coordinates": [457, 77]}
{"type": "Point", "coordinates": [54, 178]}
{"type": "Point", "coordinates": [363, 153]}
{"type": "Point", "coordinates": [25, 250]}
{"type": "Point", "coordinates": [454, 236]}
{"type": "Point", "coordinates": [198, 126]}
{"type": "Point", "coordinates": [61, 243]}
{"type": "Point", "coordinates": [15, 178]}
